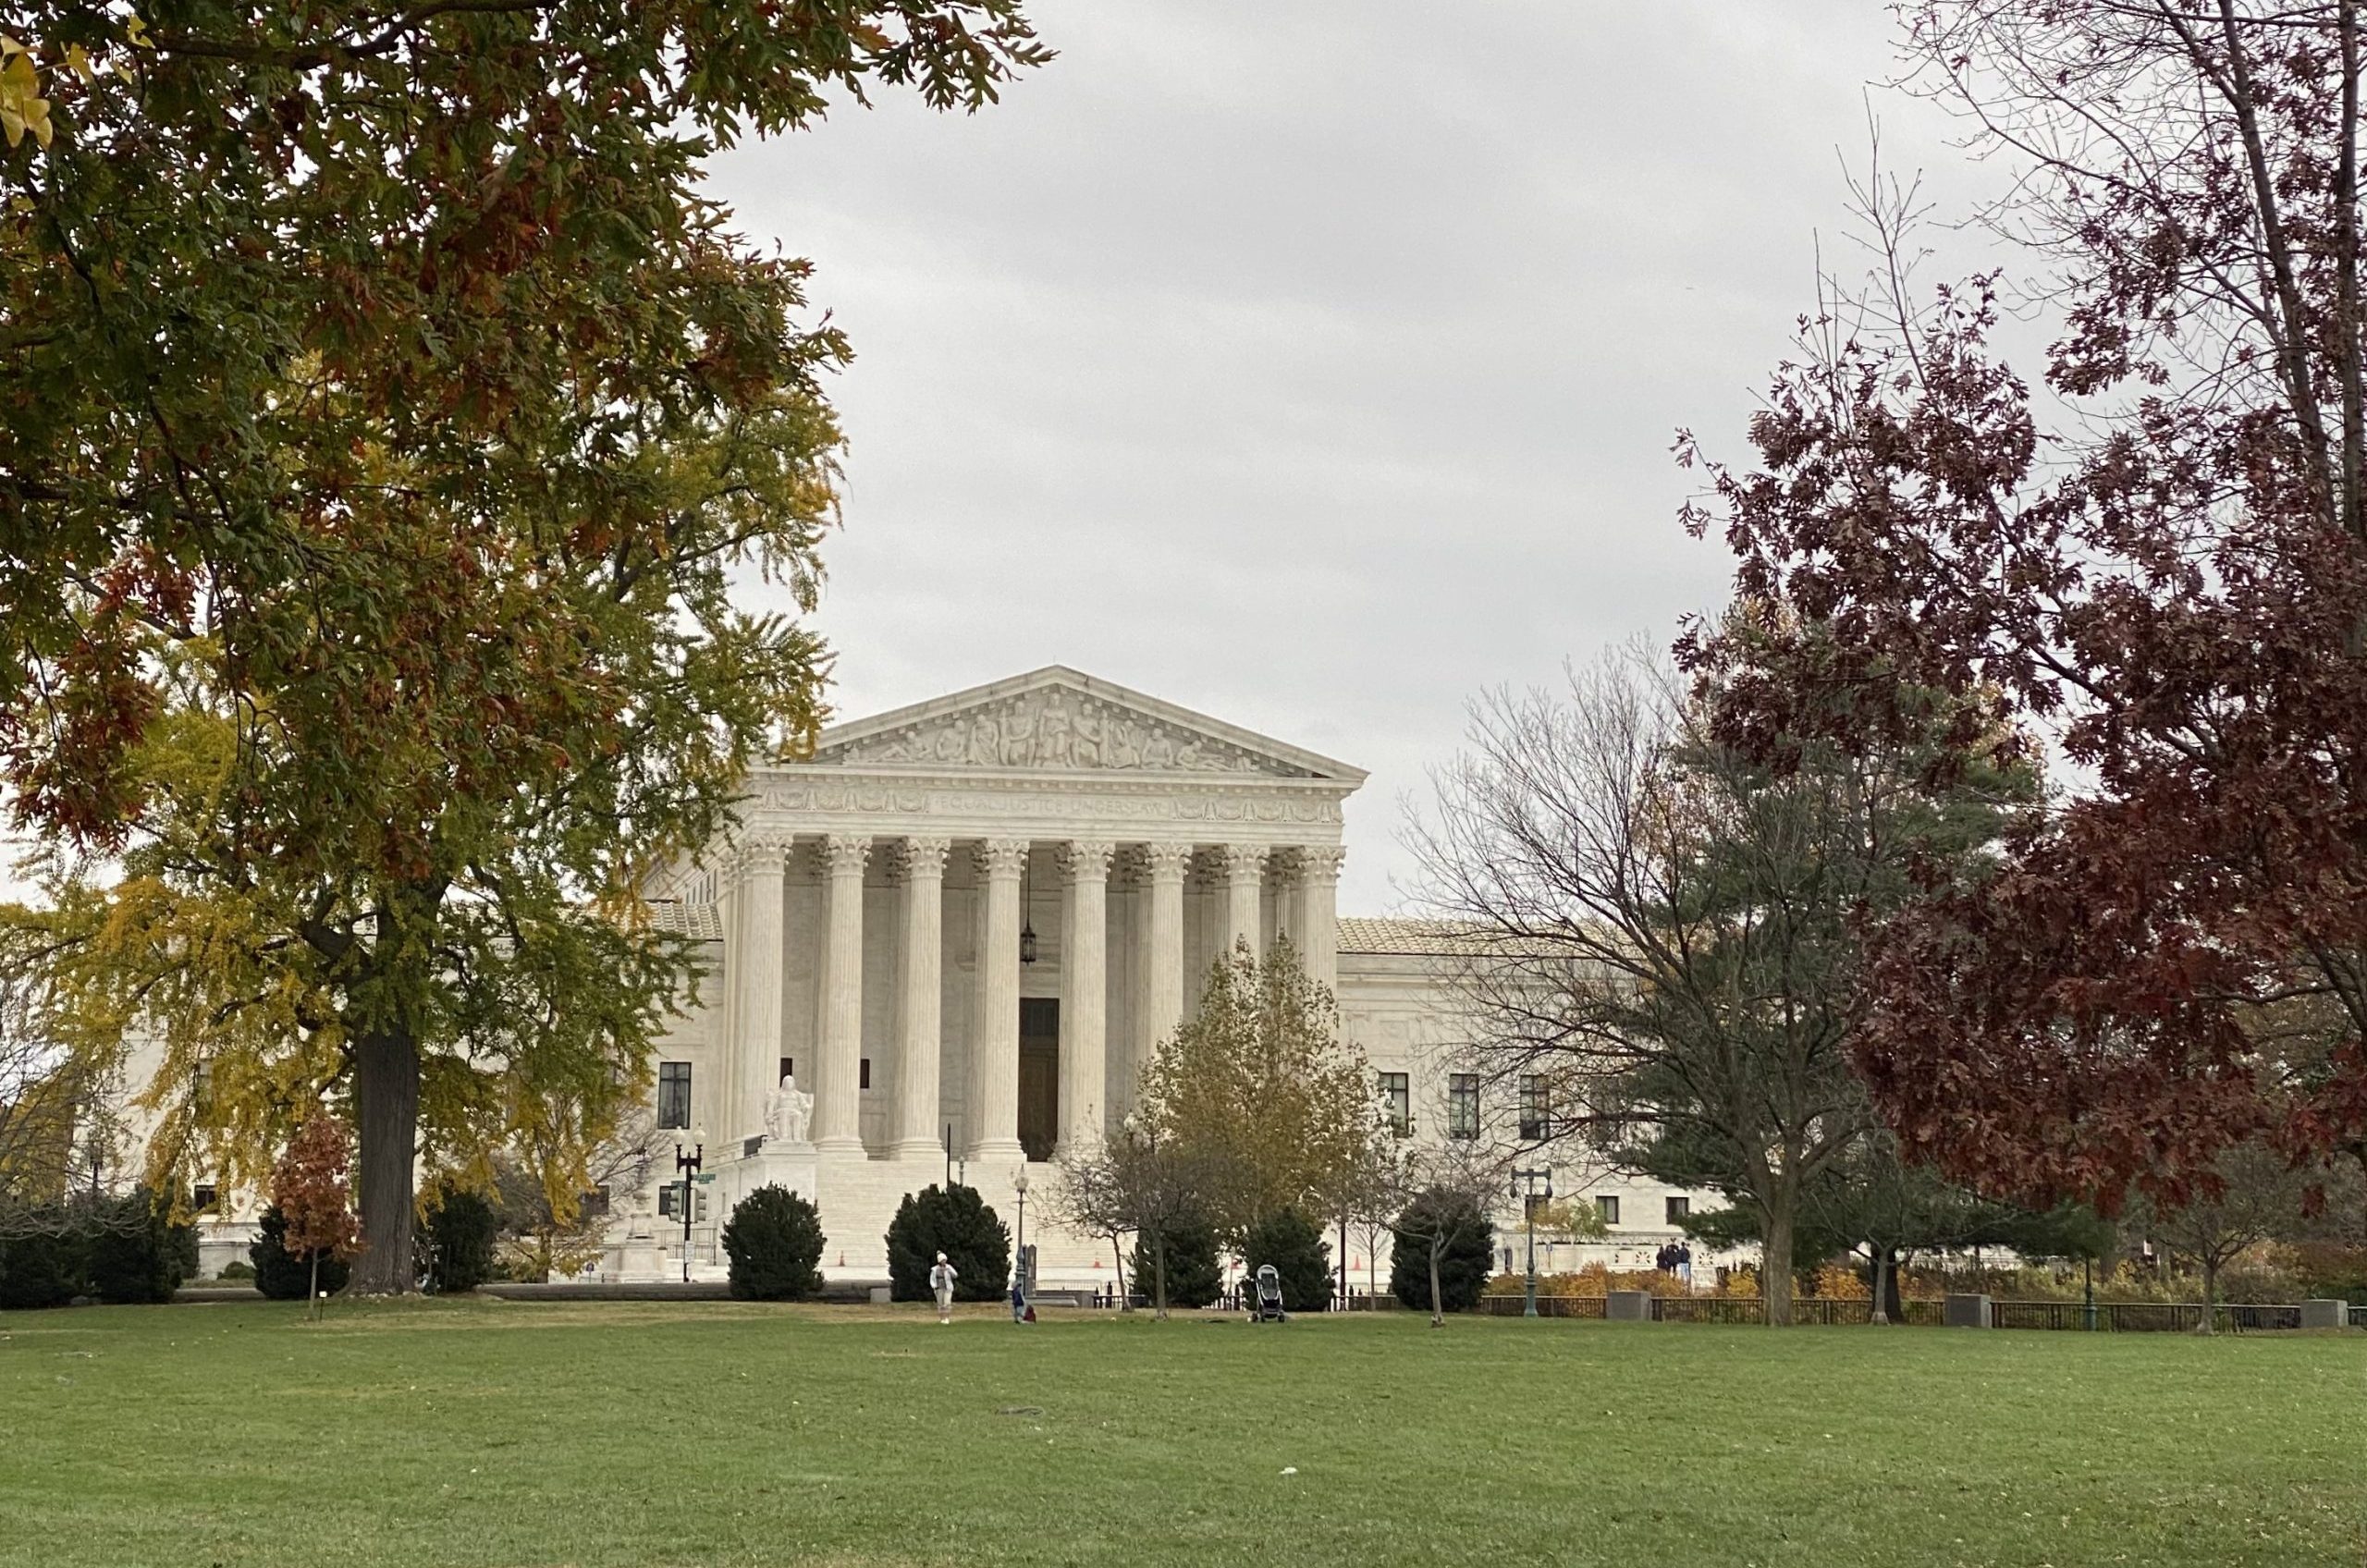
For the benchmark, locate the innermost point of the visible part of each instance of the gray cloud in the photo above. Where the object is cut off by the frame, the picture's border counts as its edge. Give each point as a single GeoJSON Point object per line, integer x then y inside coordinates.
{"type": "Point", "coordinates": [1315, 365]}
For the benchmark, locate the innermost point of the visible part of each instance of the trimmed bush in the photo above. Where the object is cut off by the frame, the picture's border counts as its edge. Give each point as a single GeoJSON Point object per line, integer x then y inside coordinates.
{"type": "Point", "coordinates": [43, 1266]}
{"type": "Point", "coordinates": [956, 1221]}
{"type": "Point", "coordinates": [461, 1229]}
{"type": "Point", "coordinates": [1295, 1247]}
{"type": "Point", "coordinates": [282, 1275]}
{"type": "Point", "coordinates": [137, 1254]}
{"type": "Point", "coordinates": [774, 1239]}
{"type": "Point", "coordinates": [237, 1271]}
{"type": "Point", "coordinates": [1193, 1277]}
{"type": "Point", "coordinates": [1464, 1266]}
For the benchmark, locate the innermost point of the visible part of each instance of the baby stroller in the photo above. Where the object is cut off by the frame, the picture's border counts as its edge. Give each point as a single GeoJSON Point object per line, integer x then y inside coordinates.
{"type": "Point", "coordinates": [1266, 1305]}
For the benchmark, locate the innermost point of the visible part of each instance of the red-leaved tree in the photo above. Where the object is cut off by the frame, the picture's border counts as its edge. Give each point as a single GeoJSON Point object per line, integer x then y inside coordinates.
{"type": "Point", "coordinates": [2160, 569]}
{"type": "Point", "coordinates": [312, 1189]}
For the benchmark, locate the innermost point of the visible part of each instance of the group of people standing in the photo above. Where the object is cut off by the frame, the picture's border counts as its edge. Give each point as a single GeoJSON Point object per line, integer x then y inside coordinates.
{"type": "Point", "coordinates": [1675, 1258]}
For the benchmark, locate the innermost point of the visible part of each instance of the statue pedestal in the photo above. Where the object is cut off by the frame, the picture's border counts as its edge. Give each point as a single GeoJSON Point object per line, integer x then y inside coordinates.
{"type": "Point", "coordinates": [775, 1164]}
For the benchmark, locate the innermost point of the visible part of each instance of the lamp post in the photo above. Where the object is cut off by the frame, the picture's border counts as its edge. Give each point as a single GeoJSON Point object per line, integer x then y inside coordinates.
{"type": "Point", "coordinates": [1019, 1185]}
{"type": "Point", "coordinates": [1528, 1190]}
{"type": "Point", "coordinates": [2088, 1292]}
{"type": "Point", "coordinates": [687, 1167]}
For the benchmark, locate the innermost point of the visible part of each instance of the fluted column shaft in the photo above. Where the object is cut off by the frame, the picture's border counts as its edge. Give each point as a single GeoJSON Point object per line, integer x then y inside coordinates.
{"type": "Point", "coordinates": [916, 1134]}
{"type": "Point", "coordinates": [1160, 967]}
{"type": "Point", "coordinates": [1319, 916]}
{"type": "Point", "coordinates": [838, 1095]}
{"type": "Point", "coordinates": [1084, 992]}
{"type": "Point", "coordinates": [755, 962]}
{"type": "Point", "coordinates": [1245, 876]}
{"type": "Point", "coordinates": [993, 1094]}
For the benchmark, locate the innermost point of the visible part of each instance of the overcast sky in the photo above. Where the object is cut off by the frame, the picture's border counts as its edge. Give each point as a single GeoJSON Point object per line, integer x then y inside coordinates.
{"type": "Point", "coordinates": [1315, 365]}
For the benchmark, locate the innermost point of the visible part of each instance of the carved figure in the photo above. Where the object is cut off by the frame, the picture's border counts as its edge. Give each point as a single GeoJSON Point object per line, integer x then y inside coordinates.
{"type": "Point", "coordinates": [953, 742]}
{"type": "Point", "coordinates": [986, 742]}
{"type": "Point", "coordinates": [789, 1111]}
{"type": "Point", "coordinates": [1018, 738]}
{"type": "Point", "coordinates": [1055, 743]}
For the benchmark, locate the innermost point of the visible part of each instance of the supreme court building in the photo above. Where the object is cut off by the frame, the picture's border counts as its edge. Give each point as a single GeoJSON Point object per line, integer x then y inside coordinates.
{"type": "Point", "coordinates": [962, 928]}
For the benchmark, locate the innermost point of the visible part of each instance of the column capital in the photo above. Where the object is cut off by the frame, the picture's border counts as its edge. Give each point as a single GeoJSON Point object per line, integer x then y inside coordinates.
{"type": "Point", "coordinates": [1320, 863]}
{"type": "Point", "coordinates": [844, 854]}
{"type": "Point", "coordinates": [1165, 863]}
{"type": "Point", "coordinates": [1000, 860]}
{"type": "Point", "coordinates": [1242, 861]}
{"type": "Point", "coordinates": [760, 851]}
{"type": "Point", "coordinates": [922, 858]}
{"type": "Point", "coordinates": [1086, 859]}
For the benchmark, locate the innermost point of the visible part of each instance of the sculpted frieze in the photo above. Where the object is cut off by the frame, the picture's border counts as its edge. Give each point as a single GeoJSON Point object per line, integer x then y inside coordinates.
{"type": "Point", "coordinates": [1058, 730]}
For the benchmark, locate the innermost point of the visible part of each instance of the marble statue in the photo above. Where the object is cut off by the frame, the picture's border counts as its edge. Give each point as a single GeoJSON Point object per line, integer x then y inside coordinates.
{"type": "Point", "coordinates": [787, 1112]}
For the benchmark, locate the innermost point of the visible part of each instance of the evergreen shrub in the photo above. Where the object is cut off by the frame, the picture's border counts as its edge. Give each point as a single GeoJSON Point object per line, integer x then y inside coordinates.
{"type": "Point", "coordinates": [956, 1221]}
{"type": "Point", "coordinates": [773, 1240]}
{"type": "Point", "coordinates": [1194, 1277]}
{"type": "Point", "coordinates": [1464, 1266]}
{"type": "Point", "coordinates": [283, 1275]}
{"type": "Point", "coordinates": [136, 1253]}
{"type": "Point", "coordinates": [461, 1229]}
{"type": "Point", "coordinates": [42, 1264]}
{"type": "Point", "coordinates": [1293, 1243]}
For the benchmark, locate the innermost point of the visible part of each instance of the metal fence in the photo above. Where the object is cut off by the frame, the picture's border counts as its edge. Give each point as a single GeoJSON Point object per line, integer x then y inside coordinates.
{"type": "Point", "coordinates": [2125, 1316]}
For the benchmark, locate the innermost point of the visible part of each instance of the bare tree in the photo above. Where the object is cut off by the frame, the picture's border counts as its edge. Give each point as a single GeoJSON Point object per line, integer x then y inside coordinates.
{"type": "Point", "coordinates": [1668, 933]}
{"type": "Point", "coordinates": [2259, 1198]}
{"type": "Point", "coordinates": [1447, 1194]}
{"type": "Point", "coordinates": [1142, 1180]}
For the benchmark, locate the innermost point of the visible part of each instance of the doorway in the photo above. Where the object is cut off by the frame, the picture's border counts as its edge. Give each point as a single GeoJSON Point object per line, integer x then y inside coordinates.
{"type": "Point", "coordinates": [1039, 1075]}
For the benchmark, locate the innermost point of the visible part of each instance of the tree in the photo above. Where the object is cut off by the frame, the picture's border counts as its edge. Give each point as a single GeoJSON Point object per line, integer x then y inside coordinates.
{"type": "Point", "coordinates": [1667, 932]}
{"type": "Point", "coordinates": [555, 1189]}
{"type": "Point", "coordinates": [2164, 584]}
{"type": "Point", "coordinates": [1144, 1182]}
{"type": "Point", "coordinates": [47, 1100]}
{"type": "Point", "coordinates": [283, 1275]}
{"type": "Point", "coordinates": [1258, 1094]}
{"type": "Point", "coordinates": [1182, 1259]}
{"type": "Point", "coordinates": [444, 395]}
{"type": "Point", "coordinates": [2259, 1197]}
{"type": "Point", "coordinates": [309, 1190]}
{"type": "Point", "coordinates": [1443, 1247]}
{"type": "Point", "coordinates": [462, 1225]}
{"type": "Point", "coordinates": [773, 1240]}
{"type": "Point", "coordinates": [1295, 1245]}
{"type": "Point", "coordinates": [136, 1253]}
{"type": "Point", "coordinates": [956, 1221]}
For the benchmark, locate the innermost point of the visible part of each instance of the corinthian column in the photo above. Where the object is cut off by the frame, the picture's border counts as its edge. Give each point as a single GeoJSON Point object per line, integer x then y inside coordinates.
{"type": "Point", "coordinates": [914, 1133]}
{"type": "Point", "coordinates": [1244, 876]}
{"type": "Point", "coordinates": [1317, 932]}
{"type": "Point", "coordinates": [837, 1108]}
{"type": "Point", "coordinates": [994, 1027]}
{"type": "Point", "coordinates": [1084, 992]}
{"type": "Point", "coordinates": [755, 963]}
{"type": "Point", "coordinates": [1160, 963]}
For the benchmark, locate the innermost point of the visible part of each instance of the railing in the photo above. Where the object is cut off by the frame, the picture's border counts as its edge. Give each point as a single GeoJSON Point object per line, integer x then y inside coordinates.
{"type": "Point", "coordinates": [2358, 1316]}
{"type": "Point", "coordinates": [1707, 1309]}
{"type": "Point", "coordinates": [1546, 1306]}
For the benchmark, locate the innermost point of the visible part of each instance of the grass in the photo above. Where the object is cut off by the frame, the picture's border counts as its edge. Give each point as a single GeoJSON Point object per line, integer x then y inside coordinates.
{"type": "Point", "coordinates": [644, 1435]}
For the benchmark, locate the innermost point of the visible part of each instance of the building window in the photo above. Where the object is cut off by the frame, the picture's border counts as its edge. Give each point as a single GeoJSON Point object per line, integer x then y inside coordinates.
{"type": "Point", "coordinates": [1463, 1105]}
{"type": "Point", "coordinates": [1397, 1102]}
{"type": "Point", "coordinates": [673, 1094]}
{"type": "Point", "coordinates": [1535, 1109]}
{"type": "Point", "coordinates": [788, 1069]}
{"type": "Point", "coordinates": [203, 1196]}
{"type": "Point", "coordinates": [866, 1074]}
{"type": "Point", "coordinates": [1678, 1208]}
{"type": "Point", "coordinates": [1606, 1208]}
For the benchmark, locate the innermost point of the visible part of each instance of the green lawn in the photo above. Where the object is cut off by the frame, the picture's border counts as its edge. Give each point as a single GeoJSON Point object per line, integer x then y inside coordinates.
{"type": "Point", "coordinates": [723, 1434]}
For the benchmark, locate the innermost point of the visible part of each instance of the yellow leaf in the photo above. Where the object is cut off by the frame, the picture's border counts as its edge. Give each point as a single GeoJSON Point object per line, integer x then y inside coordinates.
{"type": "Point", "coordinates": [78, 60]}
{"type": "Point", "coordinates": [135, 32]}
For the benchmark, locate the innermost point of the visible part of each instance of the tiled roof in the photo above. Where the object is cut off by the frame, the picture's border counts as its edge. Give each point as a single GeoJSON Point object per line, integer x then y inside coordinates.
{"type": "Point", "coordinates": [1365, 933]}
{"type": "Point", "coordinates": [698, 922]}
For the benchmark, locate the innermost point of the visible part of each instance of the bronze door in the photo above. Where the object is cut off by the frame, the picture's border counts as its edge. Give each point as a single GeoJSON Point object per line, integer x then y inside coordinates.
{"type": "Point", "coordinates": [1039, 1075]}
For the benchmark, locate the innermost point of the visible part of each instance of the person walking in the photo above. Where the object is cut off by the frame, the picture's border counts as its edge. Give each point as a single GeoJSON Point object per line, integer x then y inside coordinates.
{"type": "Point", "coordinates": [1019, 1294]}
{"type": "Point", "coordinates": [940, 1283]}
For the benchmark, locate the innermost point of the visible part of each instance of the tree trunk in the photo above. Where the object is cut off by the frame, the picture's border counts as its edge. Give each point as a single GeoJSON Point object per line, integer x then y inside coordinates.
{"type": "Point", "coordinates": [1118, 1262]}
{"type": "Point", "coordinates": [312, 1290]}
{"type": "Point", "coordinates": [1438, 1308]}
{"type": "Point", "coordinates": [385, 1099]}
{"type": "Point", "coordinates": [1878, 1311]}
{"type": "Point", "coordinates": [1158, 1272]}
{"type": "Point", "coordinates": [1775, 1263]}
{"type": "Point", "coordinates": [2210, 1295]}
{"type": "Point", "coordinates": [1894, 1299]}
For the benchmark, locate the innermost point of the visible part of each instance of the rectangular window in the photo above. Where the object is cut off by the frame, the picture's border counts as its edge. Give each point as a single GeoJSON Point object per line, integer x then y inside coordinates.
{"type": "Point", "coordinates": [1535, 1109]}
{"type": "Point", "coordinates": [865, 1072]}
{"type": "Point", "coordinates": [1397, 1102]}
{"type": "Point", "coordinates": [673, 1094]}
{"type": "Point", "coordinates": [203, 1196]}
{"type": "Point", "coordinates": [1606, 1208]}
{"type": "Point", "coordinates": [1463, 1105]}
{"type": "Point", "coordinates": [1678, 1208]}
{"type": "Point", "coordinates": [788, 1069]}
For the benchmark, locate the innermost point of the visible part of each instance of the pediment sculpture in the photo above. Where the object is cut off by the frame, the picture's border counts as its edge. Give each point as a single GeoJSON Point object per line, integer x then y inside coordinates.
{"type": "Point", "coordinates": [1058, 730]}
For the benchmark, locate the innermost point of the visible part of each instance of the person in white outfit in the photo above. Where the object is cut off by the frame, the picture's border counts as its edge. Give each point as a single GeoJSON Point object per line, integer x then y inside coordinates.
{"type": "Point", "coordinates": [940, 1281]}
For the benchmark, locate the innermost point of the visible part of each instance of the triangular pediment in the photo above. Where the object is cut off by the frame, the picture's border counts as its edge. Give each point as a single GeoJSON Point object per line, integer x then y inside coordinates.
{"type": "Point", "coordinates": [1059, 719]}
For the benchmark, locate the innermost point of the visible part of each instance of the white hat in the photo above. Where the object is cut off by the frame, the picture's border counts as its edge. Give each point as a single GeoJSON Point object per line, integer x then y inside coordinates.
{"type": "Point", "coordinates": [940, 1258]}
